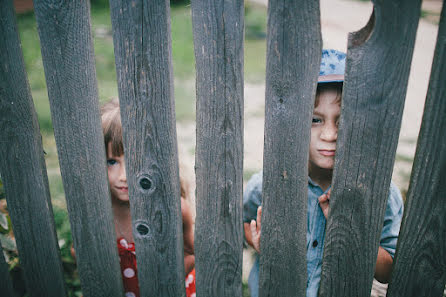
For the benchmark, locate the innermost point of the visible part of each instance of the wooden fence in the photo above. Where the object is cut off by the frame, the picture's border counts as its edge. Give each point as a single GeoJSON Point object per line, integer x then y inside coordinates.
{"type": "Point", "coordinates": [378, 62]}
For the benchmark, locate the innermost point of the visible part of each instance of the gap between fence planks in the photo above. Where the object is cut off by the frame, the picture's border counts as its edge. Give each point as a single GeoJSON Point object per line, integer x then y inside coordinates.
{"type": "Point", "coordinates": [141, 34]}
{"type": "Point", "coordinates": [293, 56]}
{"type": "Point", "coordinates": [420, 268]}
{"type": "Point", "coordinates": [377, 69]}
{"type": "Point", "coordinates": [67, 52]}
{"type": "Point", "coordinates": [218, 40]}
{"type": "Point", "coordinates": [23, 170]}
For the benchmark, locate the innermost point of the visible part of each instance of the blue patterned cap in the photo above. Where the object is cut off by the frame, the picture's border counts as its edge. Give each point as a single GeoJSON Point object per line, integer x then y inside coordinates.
{"type": "Point", "coordinates": [332, 66]}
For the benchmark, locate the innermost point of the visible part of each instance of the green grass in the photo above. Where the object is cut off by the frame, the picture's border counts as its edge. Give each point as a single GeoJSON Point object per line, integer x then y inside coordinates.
{"type": "Point", "coordinates": [255, 43]}
{"type": "Point", "coordinates": [182, 56]}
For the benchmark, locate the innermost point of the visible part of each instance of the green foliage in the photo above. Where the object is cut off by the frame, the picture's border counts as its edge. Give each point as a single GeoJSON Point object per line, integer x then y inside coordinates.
{"type": "Point", "coordinates": [9, 246]}
{"type": "Point", "coordinates": [8, 243]}
{"type": "Point", "coordinates": [255, 43]}
{"type": "Point", "coordinates": [65, 243]}
{"type": "Point", "coordinates": [245, 290]}
{"type": "Point", "coordinates": [255, 21]}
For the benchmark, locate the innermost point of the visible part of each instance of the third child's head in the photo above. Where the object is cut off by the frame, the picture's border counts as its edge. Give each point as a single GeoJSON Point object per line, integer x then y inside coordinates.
{"type": "Point", "coordinates": [112, 129]}
{"type": "Point", "coordinates": [327, 111]}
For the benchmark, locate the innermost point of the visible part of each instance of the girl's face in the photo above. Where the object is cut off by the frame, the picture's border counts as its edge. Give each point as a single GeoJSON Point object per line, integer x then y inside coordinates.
{"type": "Point", "coordinates": [117, 178]}
{"type": "Point", "coordinates": [324, 130]}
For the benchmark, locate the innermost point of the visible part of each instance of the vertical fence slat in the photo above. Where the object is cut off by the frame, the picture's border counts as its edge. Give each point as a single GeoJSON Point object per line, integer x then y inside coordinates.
{"type": "Point", "coordinates": [420, 262]}
{"type": "Point", "coordinates": [218, 41]}
{"type": "Point", "coordinates": [23, 169]}
{"type": "Point", "coordinates": [6, 288]}
{"type": "Point", "coordinates": [68, 59]}
{"type": "Point", "coordinates": [378, 63]}
{"type": "Point", "coordinates": [293, 57]}
{"type": "Point", "coordinates": [141, 33]}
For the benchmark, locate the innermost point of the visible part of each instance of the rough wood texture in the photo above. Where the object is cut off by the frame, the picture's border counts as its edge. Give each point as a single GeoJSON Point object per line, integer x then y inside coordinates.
{"type": "Point", "coordinates": [67, 51]}
{"type": "Point", "coordinates": [293, 58]}
{"type": "Point", "coordinates": [6, 288]}
{"type": "Point", "coordinates": [378, 64]}
{"type": "Point", "coordinates": [420, 263]}
{"type": "Point", "coordinates": [23, 171]}
{"type": "Point", "coordinates": [141, 33]}
{"type": "Point", "coordinates": [218, 39]}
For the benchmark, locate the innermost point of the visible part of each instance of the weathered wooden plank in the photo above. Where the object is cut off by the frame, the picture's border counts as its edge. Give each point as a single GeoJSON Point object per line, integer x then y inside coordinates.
{"type": "Point", "coordinates": [141, 33]}
{"type": "Point", "coordinates": [6, 288]}
{"type": "Point", "coordinates": [68, 59]}
{"type": "Point", "coordinates": [293, 58]}
{"type": "Point", "coordinates": [420, 262]}
{"type": "Point", "coordinates": [378, 63]}
{"type": "Point", "coordinates": [23, 170]}
{"type": "Point", "coordinates": [218, 40]}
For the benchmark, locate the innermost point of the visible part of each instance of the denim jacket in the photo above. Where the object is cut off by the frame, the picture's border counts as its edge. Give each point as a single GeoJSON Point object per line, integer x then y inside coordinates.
{"type": "Point", "coordinates": [252, 199]}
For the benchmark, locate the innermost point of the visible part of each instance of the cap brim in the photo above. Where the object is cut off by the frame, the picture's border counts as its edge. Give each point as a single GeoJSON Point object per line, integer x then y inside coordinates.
{"type": "Point", "coordinates": [330, 78]}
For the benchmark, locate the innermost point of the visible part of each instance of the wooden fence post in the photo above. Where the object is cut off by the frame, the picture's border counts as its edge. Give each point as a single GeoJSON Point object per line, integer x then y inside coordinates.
{"type": "Point", "coordinates": [218, 40]}
{"type": "Point", "coordinates": [377, 70]}
{"type": "Point", "coordinates": [68, 59]}
{"type": "Point", "coordinates": [141, 34]}
{"type": "Point", "coordinates": [23, 169]}
{"type": "Point", "coordinates": [420, 261]}
{"type": "Point", "coordinates": [293, 57]}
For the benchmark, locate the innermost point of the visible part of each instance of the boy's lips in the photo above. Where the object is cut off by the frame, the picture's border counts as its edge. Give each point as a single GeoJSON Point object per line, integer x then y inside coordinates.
{"type": "Point", "coordinates": [327, 153]}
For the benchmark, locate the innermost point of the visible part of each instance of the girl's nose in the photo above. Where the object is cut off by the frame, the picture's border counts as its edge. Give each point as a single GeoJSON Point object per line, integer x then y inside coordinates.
{"type": "Point", "coordinates": [122, 173]}
{"type": "Point", "coordinates": [330, 132]}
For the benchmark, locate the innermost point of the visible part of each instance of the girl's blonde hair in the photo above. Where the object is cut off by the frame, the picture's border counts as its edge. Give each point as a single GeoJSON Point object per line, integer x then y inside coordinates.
{"type": "Point", "coordinates": [112, 130]}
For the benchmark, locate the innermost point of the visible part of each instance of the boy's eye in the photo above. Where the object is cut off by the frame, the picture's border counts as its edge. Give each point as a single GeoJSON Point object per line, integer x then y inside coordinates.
{"type": "Point", "coordinates": [111, 162]}
{"type": "Point", "coordinates": [316, 120]}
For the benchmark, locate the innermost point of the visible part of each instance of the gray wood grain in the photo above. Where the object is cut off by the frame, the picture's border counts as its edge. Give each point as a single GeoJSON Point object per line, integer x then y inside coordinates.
{"type": "Point", "coordinates": [218, 40]}
{"type": "Point", "coordinates": [378, 63]}
{"type": "Point", "coordinates": [68, 59]}
{"type": "Point", "coordinates": [293, 58]}
{"type": "Point", "coordinates": [6, 288]}
{"type": "Point", "coordinates": [141, 33]}
{"type": "Point", "coordinates": [420, 262]}
{"type": "Point", "coordinates": [23, 171]}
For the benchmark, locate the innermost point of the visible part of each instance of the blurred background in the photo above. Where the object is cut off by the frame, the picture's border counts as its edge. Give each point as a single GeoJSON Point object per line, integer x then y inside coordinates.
{"type": "Point", "coordinates": [338, 17]}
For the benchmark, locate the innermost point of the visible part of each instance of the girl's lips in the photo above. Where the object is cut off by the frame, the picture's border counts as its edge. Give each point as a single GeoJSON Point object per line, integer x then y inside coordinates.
{"type": "Point", "coordinates": [327, 153]}
{"type": "Point", "coordinates": [124, 189]}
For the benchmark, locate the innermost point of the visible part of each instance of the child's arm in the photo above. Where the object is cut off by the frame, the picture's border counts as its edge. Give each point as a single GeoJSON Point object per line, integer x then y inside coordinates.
{"type": "Point", "coordinates": [188, 237]}
{"type": "Point", "coordinates": [383, 266]}
{"type": "Point", "coordinates": [389, 236]}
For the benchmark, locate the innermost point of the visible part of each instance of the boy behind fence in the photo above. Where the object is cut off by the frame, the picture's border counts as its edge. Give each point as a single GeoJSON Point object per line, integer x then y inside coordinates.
{"type": "Point", "coordinates": [112, 129]}
{"type": "Point", "coordinates": [324, 129]}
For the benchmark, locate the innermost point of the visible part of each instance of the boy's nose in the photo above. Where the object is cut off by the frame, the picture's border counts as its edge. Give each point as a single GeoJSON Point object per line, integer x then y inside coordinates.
{"type": "Point", "coordinates": [329, 132]}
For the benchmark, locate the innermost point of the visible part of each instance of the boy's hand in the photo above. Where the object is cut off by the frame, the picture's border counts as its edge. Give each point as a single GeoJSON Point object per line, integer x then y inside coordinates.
{"type": "Point", "coordinates": [324, 201]}
{"type": "Point", "coordinates": [255, 230]}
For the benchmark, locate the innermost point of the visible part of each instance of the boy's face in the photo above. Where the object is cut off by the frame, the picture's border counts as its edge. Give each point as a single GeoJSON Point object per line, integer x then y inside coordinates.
{"type": "Point", "coordinates": [117, 178]}
{"type": "Point", "coordinates": [324, 131]}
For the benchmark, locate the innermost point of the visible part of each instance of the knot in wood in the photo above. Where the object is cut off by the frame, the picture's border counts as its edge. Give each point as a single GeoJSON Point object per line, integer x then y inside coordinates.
{"type": "Point", "coordinates": [142, 229]}
{"type": "Point", "coordinates": [146, 183]}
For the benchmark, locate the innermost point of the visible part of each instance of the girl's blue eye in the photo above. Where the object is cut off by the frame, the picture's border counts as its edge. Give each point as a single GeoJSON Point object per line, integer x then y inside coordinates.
{"type": "Point", "coordinates": [111, 162]}
{"type": "Point", "coordinates": [316, 120]}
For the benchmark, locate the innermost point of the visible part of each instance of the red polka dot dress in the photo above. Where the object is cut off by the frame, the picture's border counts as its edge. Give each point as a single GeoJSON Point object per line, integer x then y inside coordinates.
{"type": "Point", "coordinates": [127, 259]}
